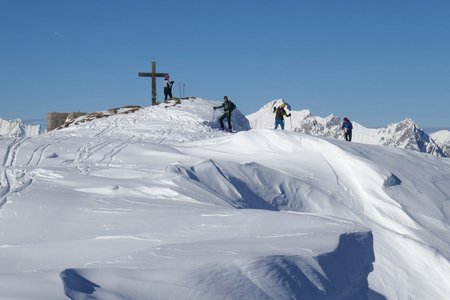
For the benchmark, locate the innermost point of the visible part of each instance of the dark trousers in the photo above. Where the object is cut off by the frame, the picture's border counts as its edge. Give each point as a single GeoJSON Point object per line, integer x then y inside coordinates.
{"type": "Point", "coordinates": [348, 136]}
{"type": "Point", "coordinates": [279, 122]}
{"type": "Point", "coordinates": [167, 92]}
{"type": "Point", "coordinates": [226, 114]}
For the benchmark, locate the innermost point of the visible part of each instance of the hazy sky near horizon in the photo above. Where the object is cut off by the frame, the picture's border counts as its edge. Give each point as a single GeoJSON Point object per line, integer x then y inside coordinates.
{"type": "Point", "coordinates": [376, 62]}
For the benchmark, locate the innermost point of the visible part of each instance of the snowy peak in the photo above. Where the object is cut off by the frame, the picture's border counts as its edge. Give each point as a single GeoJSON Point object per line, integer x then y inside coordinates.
{"type": "Point", "coordinates": [405, 134]}
{"type": "Point", "coordinates": [16, 128]}
{"type": "Point", "coordinates": [176, 121]}
{"type": "Point", "coordinates": [275, 103]}
{"type": "Point", "coordinates": [328, 126]}
{"type": "Point", "coordinates": [441, 136]}
{"type": "Point", "coordinates": [442, 139]}
{"type": "Point", "coordinates": [264, 117]}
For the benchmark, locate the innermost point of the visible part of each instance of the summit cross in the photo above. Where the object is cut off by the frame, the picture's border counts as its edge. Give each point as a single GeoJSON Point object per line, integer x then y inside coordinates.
{"type": "Point", "coordinates": [153, 75]}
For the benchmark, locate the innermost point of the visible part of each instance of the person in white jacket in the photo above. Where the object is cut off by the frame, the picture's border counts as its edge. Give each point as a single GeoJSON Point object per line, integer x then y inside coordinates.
{"type": "Point", "coordinates": [167, 87]}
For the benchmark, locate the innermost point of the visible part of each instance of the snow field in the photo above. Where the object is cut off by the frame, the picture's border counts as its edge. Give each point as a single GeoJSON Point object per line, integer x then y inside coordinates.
{"type": "Point", "coordinates": [159, 204]}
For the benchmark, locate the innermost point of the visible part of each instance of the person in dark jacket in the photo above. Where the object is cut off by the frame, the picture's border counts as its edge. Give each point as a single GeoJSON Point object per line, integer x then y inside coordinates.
{"type": "Point", "coordinates": [167, 87]}
{"type": "Point", "coordinates": [280, 112]}
{"type": "Point", "coordinates": [228, 107]}
{"type": "Point", "coordinates": [347, 127]}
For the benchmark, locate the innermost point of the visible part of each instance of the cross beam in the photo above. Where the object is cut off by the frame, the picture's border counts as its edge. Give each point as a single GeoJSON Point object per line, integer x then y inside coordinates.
{"type": "Point", "coordinates": [153, 75]}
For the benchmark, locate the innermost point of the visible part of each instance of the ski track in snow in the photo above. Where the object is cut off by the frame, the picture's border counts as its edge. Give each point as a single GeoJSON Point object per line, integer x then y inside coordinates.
{"type": "Point", "coordinates": [16, 177]}
{"type": "Point", "coordinates": [5, 187]}
{"type": "Point", "coordinates": [13, 180]}
{"type": "Point", "coordinates": [108, 149]}
{"type": "Point", "coordinates": [38, 153]}
{"type": "Point", "coordinates": [82, 157]}
{"type": "Point", "coordinates": [12, 150]}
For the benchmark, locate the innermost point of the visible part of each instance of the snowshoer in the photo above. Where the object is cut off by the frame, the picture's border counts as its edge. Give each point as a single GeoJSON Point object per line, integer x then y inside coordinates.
{"type": "Point", "coordinates": [280, 112]}
{"type": "Point", "coordinates": [167, 87]}
{"type": "Point", "coordinates": [347, 127]}
{"type": "Point", "coordinates": [228, 107]}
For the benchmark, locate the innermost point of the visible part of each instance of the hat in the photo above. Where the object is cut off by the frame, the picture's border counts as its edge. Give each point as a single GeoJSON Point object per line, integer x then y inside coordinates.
{"type": "Point", "coordinates": [167, 75]}
{"type": "Point", "coordinates": [283, 105]}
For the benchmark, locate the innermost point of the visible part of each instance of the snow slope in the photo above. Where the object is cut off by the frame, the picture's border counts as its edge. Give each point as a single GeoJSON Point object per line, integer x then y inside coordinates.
{"type": "Point", "coordinates": [16, 128]}
{"type": "Point", "coordinates": [405, 134]}
{"type": "Point", "coordinates": [157, 204]}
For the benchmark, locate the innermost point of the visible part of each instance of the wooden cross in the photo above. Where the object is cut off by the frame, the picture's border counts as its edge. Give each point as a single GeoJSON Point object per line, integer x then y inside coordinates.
{"type": "Point", "coordinates": [153, 75]}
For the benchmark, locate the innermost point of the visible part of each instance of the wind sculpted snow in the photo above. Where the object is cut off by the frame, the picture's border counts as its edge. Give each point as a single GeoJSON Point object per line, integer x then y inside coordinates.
{"type": "Point", "coordinates": [159, 204]}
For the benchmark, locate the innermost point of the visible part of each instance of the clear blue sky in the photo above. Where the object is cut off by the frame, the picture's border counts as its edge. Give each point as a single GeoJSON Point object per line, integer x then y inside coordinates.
{"type": "Point", "coordinates": [376, 62]}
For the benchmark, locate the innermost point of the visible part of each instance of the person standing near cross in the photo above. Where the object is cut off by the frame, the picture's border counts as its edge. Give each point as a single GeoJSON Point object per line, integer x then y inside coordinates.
{"type": "Point", "coordinates": [167, 87]}
{"type": "Point", "coordinates": [153, 75]}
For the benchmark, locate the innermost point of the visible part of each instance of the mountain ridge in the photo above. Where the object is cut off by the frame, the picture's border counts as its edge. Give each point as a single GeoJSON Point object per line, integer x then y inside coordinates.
{"type": "Point", "coordinates": [405, 134]}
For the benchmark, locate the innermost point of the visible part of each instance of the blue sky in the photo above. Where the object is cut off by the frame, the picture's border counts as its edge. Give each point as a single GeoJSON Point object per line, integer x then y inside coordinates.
{"type": "Point", "coordinates": [376, 62]}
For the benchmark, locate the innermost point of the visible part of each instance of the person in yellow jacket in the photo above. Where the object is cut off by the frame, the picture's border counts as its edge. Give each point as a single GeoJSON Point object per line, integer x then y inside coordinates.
{"type": "Point", "coordinates": [280, 112]}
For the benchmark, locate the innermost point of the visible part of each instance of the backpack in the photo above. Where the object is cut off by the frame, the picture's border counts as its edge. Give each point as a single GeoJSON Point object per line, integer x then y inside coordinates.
{"type": "Point", "coordinates": [231, 106]}
{"type": "Point", "coordinates": [279, 113]}
{"type": "Point", "coordinates": [347, 126]}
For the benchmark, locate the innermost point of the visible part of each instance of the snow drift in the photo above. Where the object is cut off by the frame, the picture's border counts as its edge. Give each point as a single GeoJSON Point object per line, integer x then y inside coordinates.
{"type": "Point", "coordinates": [268, 265]}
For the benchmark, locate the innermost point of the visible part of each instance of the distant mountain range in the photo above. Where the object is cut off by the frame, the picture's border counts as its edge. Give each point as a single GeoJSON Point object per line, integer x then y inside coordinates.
{"type": "Point", "coordinates": [405, 134]}
{"type": "Point", "coordinates": [17, 128]}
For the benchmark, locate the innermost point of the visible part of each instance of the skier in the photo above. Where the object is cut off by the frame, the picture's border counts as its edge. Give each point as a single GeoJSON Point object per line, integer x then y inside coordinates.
{"type": "Point", "coordinates": [347, 127]}
{"type": "Point", "coordinates": [280, 112]}
{"type": "Point", "coordinates": [228, 107]}
{"type": "Point", "coordinates": [167, 87]}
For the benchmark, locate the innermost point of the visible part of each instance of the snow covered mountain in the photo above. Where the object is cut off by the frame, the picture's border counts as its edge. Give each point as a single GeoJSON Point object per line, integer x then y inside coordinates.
{"type": "Point", "coordinates": [159, 204]}
{"type": "Point", "coordinates": [442, 138]}
{"type": "Point", "coordinates": [17, 128]}
{"type": "Point", "coordinates": [405, 134]}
